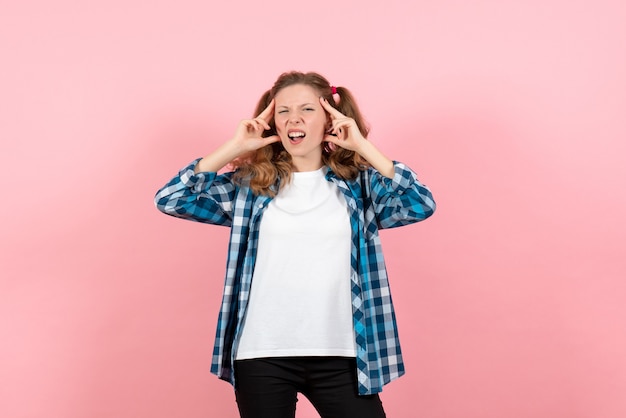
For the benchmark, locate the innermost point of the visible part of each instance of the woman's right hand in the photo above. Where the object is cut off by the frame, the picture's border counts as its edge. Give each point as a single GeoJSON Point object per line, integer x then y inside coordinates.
{"type": "Point", "coordinates": [248, 138]}
{"type": "Point", "coordinates": [249, 134]}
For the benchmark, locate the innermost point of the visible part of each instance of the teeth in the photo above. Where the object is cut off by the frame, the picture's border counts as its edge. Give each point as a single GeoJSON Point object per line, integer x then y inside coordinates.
{"type": "Point", "coordinates": [296, 134]}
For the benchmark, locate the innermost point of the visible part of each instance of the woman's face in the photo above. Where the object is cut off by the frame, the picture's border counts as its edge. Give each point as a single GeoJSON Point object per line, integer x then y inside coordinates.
{"type": "Point", "coordinates": [301, 125]}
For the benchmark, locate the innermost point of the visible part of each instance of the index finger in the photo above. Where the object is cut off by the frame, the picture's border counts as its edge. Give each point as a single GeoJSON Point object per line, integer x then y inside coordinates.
{"type": "Point", "coordinates": [334, 113]}
{"type": "Point", "coordinates": [268, 112]}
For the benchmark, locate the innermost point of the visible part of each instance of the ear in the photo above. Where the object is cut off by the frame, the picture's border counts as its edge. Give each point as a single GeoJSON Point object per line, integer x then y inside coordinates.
{"type": "Point", "coordinates": [329, 123]}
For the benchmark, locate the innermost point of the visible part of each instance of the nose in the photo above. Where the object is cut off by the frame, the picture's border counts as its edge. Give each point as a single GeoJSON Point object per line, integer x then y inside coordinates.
{"type": "Point", "coordinates": [295, 118]}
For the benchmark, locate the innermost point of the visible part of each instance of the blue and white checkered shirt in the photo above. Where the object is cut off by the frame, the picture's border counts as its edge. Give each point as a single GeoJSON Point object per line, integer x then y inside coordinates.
{"type": "Point", "coordinates": [374, 202]}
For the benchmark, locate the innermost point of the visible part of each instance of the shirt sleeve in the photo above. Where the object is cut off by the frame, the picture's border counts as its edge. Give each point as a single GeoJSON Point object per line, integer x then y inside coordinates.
{"type": "Point", "coordinates": [201, 197]}
{"type": "Point", "coordinates": [400, 200]}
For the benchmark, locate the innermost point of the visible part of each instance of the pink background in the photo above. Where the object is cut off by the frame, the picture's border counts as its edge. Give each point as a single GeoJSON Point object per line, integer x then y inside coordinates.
{"type": "Point", "coordinates": [511, 300]}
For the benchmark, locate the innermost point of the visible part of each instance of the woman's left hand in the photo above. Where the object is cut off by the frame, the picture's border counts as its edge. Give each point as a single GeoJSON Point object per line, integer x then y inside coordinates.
{"type": "Point", "coordinates": [344, 131]}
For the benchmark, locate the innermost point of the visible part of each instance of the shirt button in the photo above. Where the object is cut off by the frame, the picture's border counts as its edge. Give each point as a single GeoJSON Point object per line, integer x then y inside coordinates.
{"type": "Point", "coordinates": [260, 205]}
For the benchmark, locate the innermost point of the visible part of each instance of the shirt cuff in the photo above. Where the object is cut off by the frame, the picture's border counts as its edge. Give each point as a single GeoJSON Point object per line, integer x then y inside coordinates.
{"type": "Point", "coordinates": [195, 181]}
{"type": "Point", "coordinates": [403, 178]}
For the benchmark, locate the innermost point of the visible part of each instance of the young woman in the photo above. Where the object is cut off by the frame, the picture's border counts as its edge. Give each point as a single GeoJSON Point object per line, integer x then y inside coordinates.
{"type": "Point", "coordinates": [306, 305]}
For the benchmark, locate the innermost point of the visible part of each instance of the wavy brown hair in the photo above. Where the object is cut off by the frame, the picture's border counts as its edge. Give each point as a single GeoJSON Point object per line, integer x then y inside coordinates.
{"type": "Point", "coordinates": [271, 165]}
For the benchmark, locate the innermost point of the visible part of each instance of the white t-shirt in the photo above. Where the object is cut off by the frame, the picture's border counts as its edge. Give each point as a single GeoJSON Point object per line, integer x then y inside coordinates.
{"type": "Point", "coordinates": [300, 298]}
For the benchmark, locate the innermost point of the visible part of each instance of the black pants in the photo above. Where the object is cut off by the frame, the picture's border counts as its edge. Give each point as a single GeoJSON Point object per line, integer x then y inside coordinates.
{"type": "Point", "coordinates": [268, 387]}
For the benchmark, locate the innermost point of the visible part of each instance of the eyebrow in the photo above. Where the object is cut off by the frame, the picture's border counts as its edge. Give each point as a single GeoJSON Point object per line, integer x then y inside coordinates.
{"type": "Point", "coordinates": [302, 105]}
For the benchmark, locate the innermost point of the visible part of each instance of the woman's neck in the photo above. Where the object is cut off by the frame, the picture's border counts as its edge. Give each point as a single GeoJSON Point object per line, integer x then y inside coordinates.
{"type": "Point", "coordinates": [306, 165]}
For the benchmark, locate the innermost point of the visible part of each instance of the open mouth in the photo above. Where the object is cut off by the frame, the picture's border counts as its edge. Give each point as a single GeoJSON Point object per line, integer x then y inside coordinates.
{"type": "Point", "coordinates": [296, 136]}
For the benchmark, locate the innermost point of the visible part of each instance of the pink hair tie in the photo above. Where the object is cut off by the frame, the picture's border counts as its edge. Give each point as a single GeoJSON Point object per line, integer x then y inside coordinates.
{"type": "Point", "coordinates": [333, 89]}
